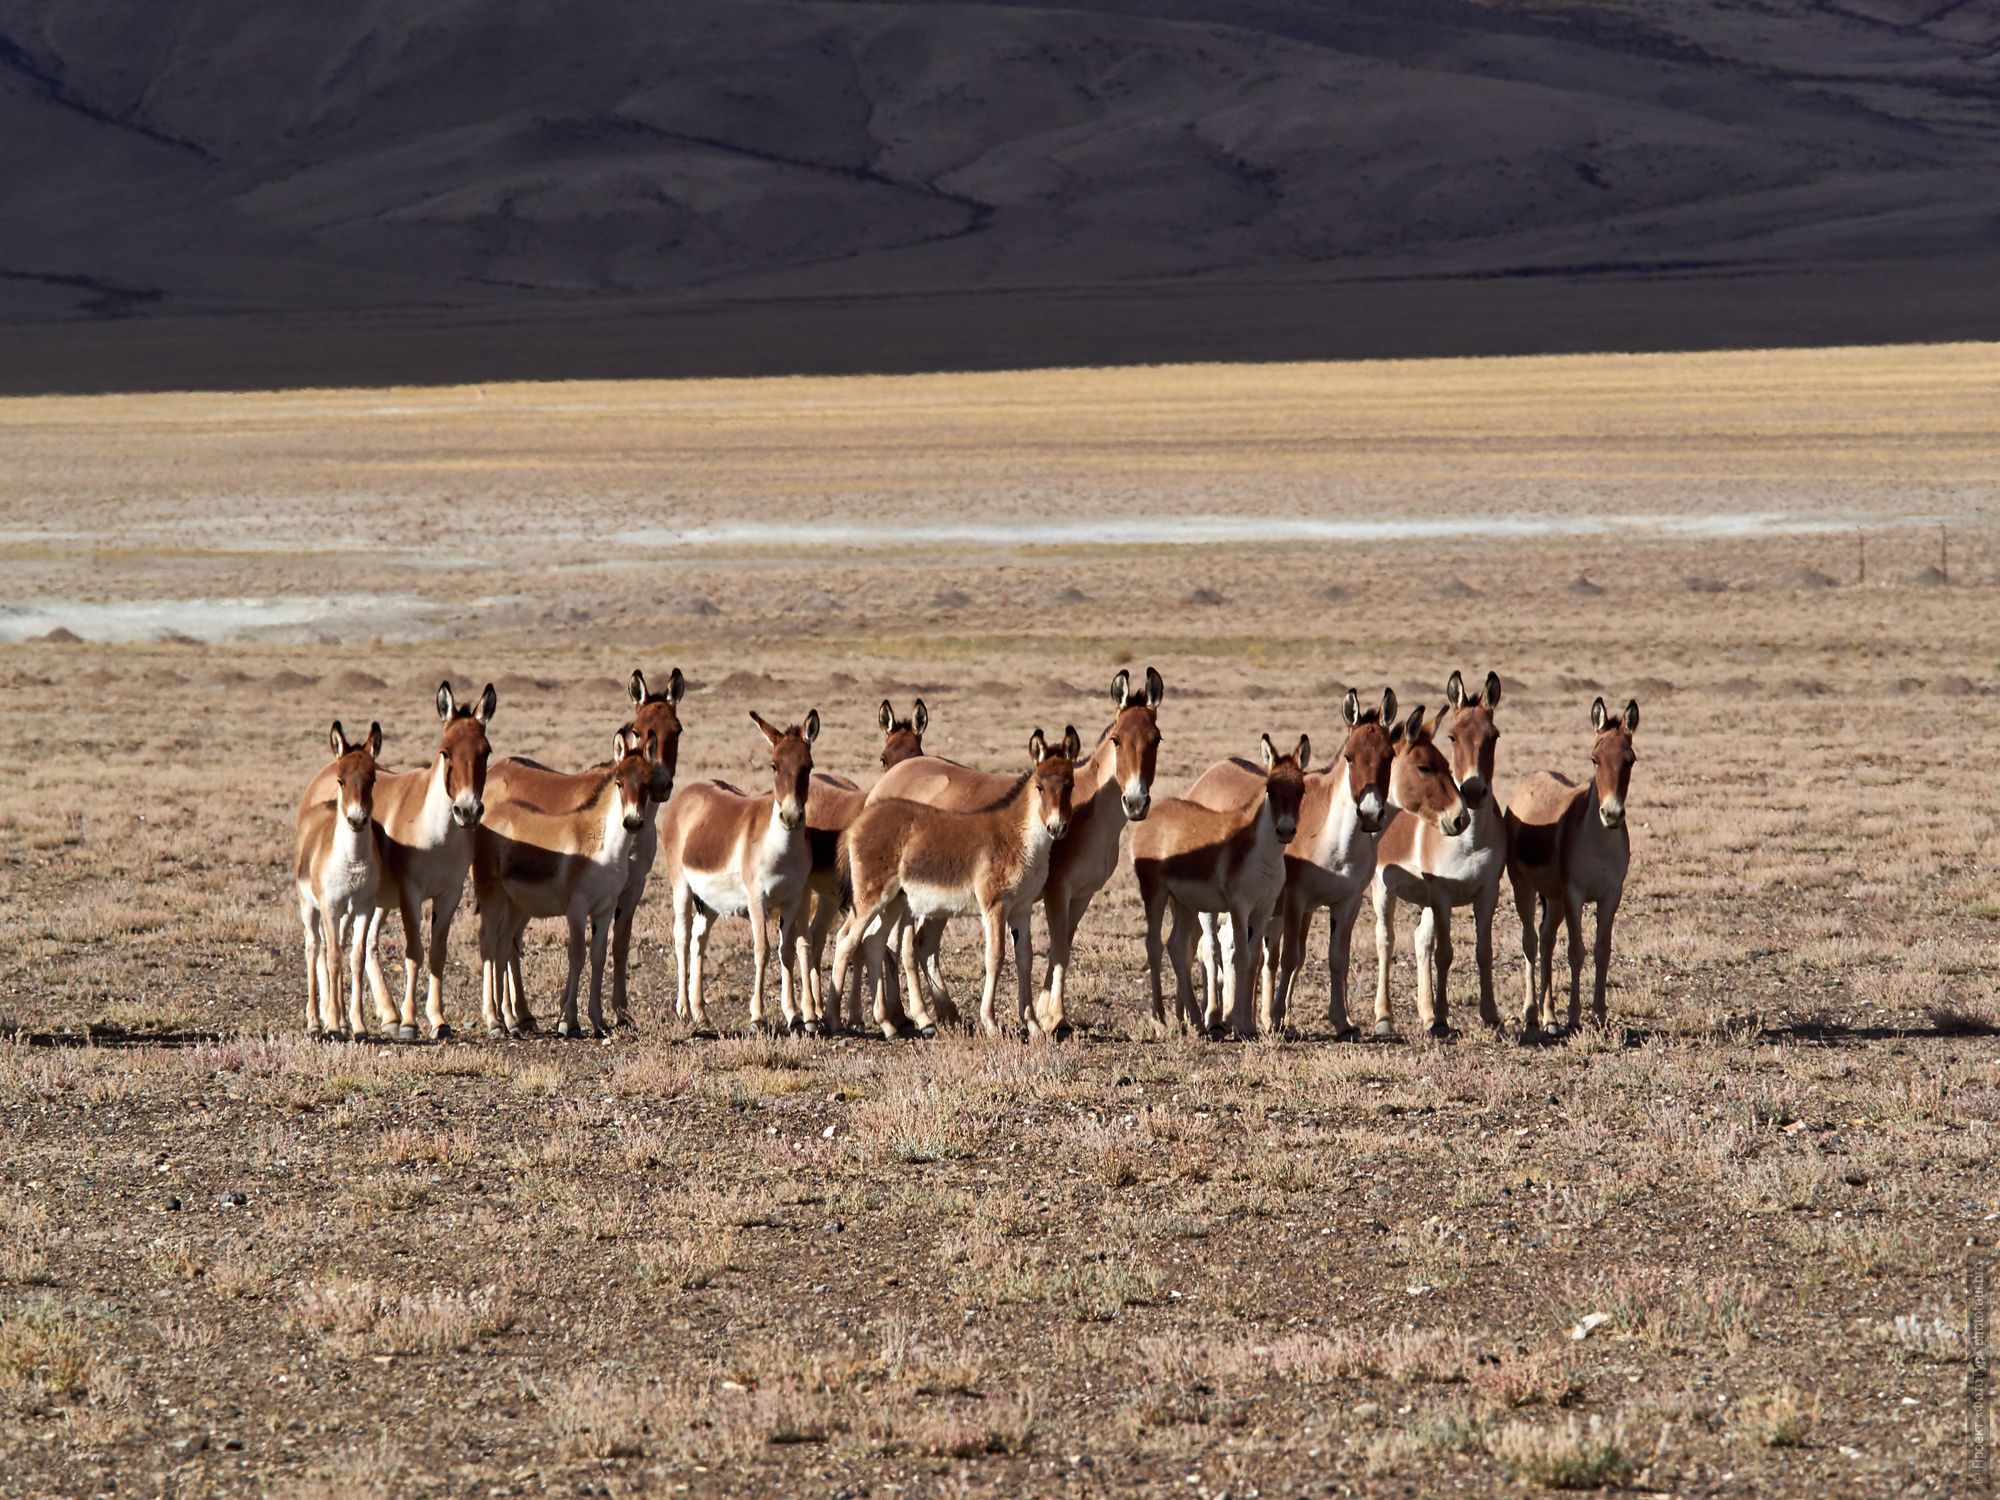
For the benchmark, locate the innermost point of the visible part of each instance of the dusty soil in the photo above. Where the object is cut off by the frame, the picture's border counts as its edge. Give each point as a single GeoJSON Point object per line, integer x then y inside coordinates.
{"type": "Point", "coordinates": [712, 1265]}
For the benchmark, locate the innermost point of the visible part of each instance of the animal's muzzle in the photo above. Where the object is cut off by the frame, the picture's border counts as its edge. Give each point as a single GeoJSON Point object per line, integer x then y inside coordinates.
{"type": "Point", "coordinates": [791, 817]}
{"type": "Point", "coordinates": [634, 822]}
{"type": "Point", "coordinates": [1287, 829]}
{"type": "Point", "coordinates": [1610, 816]}
{"type": "Point", "coordinates": [466, 813]}
{"type": "Point", "coordinates": [1137, 805]}
{"type": "Point", "coordinates": [1058, 827]}
{"type": "Point", "coordinates": [357, 821]}
{"type": "Point", "coordinates": [1458, 822]}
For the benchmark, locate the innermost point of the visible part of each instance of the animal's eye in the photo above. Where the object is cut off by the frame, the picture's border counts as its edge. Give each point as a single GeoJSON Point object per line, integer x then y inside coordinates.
{"type": "Point", "coordinates": [1114, 739]}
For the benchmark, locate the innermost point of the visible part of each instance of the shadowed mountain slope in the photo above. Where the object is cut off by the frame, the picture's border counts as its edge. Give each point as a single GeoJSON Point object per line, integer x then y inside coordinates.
{"type": "Point", "coordinates": [225, 193]}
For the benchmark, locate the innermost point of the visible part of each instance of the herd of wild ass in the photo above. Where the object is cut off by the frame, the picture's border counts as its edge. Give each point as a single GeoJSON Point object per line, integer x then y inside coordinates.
{"type": "Point", "coordinates": [1236, 868]}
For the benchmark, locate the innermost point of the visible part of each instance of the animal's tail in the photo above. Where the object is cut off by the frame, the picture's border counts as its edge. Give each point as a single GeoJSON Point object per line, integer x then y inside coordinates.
{"type": "Point", "coordinates": [843, 870]}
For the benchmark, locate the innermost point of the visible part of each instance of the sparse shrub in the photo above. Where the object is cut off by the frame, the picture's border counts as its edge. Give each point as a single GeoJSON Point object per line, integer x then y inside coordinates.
{"type": "Point", "coordinates": [1574, 1455]}
{"type": "Point", "coordinates": [1781, 1419]}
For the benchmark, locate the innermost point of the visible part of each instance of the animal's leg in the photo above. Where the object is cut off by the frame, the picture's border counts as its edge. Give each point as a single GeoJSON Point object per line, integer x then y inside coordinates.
{"type": "Point", "coordinates": [1440, 991]}
{"type": "Point", "coordinates": [1155, 904]}
{"type": "Point", "coordinates": [1524, 909]}
{"type": "Point", "coordinates": [1024, 975]}
{"type": "Point", "coordinates": [1545, 961]}
{"type": "Point", "coordinates": [309, 920]}
{"type": "Point", "coordinates": [702, 921]}
{"type": "Point", "coordinates": [791, 1006]}
{"type": "Point", "coordinates": [1385, 954]}
{"type": "Point", "coordinates": [621, 953]}
{"type": "Point", "coordinates": [1180, 933]}
{"type": "Point", "coordinates": [1339, 953]}
{"type": "Point", "coordinates": [1426, 952]}
{"type": "Point", "coordinates": [682, 958]}
{"type": "Point", "coordinates": [1206, 949]}
{"type": "Point", "coordinates": [1573, 921]}
{"type": "Point", "coordinates": [1483, 906]}
{"type": "Point", "coordinates": [759, 953]}
{"type": "Point", "coordinates": [1607, 913]}
{"type": "Point", "coordinates": [442, 911]}
{"type": "Point", "coordinates": [600, 938]}
{"type": "Point", "coordinates": [573, 980]}
{"type": "Point", "coordinates": [356, 923]}
{"type": "Point", "coordinates": [1290, 934]}
{"type": "Point", "coordinates": [413, 959]}
{"type": "Point", "coordinates": [1057, 913]}
{"type": "Point", "coordinates": [385, 1008]}
{"type": "Point", "coordinates": [994, 919]}
{"type": "Point", "coordinates": [905, 933]}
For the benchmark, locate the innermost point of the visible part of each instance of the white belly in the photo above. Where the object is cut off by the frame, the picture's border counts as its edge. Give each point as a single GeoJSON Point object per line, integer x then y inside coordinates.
{"type": "Point", "coordinates": [720, 891]}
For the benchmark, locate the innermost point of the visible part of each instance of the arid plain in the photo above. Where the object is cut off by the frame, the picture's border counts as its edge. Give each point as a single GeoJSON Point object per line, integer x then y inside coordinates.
{"type": "Point", "coordinates": [1722, 1249]}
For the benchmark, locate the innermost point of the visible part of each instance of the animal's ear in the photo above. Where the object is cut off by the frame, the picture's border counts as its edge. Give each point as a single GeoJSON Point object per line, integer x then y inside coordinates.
{"type": "Point", "coordinates": [336, 739]}
{"type": "Point", "coordinates": [636, 689]}
{"type": "Point", "coordinates": [1268, 751]}
{"type": "Point", "coordinates": [920, 718]}
{"type": "Point", "coordinates": [1038, 748]}
{"type": "Point", "coordinates": [677, 685]}
{"type": "Point", "coordinates": [812, 725]}
{"type": "Point", "coordinates": [1632, 716]}
{"type": "Point", "coordinates": [1072, 744]}
{"type": "Point", "coordinates": [1389, 705]}
{"type": "Point", "coordinates": [445, 701]}
{"type": "Point", "coordinates": [1413, 726]}
{"type": "Point", "coordinates": [770, 732]}
{"type": "Point", "coordinates": [375, 738]}
{"type": "Point", "coordinates": [488, 701]}
{"type": "Point", "coordinates": [1156, 687]}
{"type": "Point", "coordinates": [620, 746]}
{"type": "Point", "coordinates": [1350, 709]}
{"type": "Point", "coordinates": [1598, 714]}
{"type": "Point", "coordinates": [1492, 694]}
{"type": "Point", "coordinates": [652, 744]}
{"type": "Point", "coordinates": [1120, 686]}
{"type": "Point", "coordinates": [888, 716]}
{"type": "Point", "coordinates": [1304, 754]}
{"type": "Point", "coordinates": [1454, 689]}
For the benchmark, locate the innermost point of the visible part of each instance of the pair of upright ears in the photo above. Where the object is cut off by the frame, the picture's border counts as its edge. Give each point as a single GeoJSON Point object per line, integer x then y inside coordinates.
{"type": "Point", "coordinates": [1122, 695]}
{"type": "Point", "coordinates": [808, 731]}
{"type": "Point", "coordinates": [449, 709]}
{"type": "Point", "coordinates": [1038, 746]}
{"type": "Point", "coordinates": [676, 685]}
{"type": "Point", "coordinates": [1601, 720]}
{"type": "Point", "coordinates": [919, 720]}
{"type": "Point", "coordinates": [338, 742]}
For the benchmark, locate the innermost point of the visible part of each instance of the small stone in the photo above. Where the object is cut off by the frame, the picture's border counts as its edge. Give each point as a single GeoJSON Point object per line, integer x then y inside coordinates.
{"type": "Point", "coordinates": [233, 1444]}
{"type": "Point", "coordinates": [172, 1205]}
{"type": "Point", "coordinates": [231, 1199]}
{"type": "Point", "coordinates": [1368, 1411]}
{"type": "Point", "coordinates": [194, 1442]}
{"type": "Point", "coordinates": [833, 1226]}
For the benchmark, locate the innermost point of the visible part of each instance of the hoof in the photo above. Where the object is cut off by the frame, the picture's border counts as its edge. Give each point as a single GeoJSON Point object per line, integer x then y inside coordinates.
{"type": "Point", "coordinates": [516, 1033]}
{"type": "Point", "coordinates": [927, 1032]}
{"type": "Point", "coordinates": [563, 1030]}
{"type": "Point", "coordinates": [406, 1033]}
{"type": "Point", "coordinates": [315, 1033]}
{"type": "Point", "coordinates": [1440, 1032]}
{"type": "Point", "coordinates": [1385, 1028]}
{"type": "Point", "coordinates": [496, 1031]}
{"type": "Point", "coordinates": [1063, 1032]}
{"type": "Point", "coordinates": [1347, 1034]}
{"type": "Point", "coordinates": [442, 1034]}
{"type": "Point", "coordinates": [795, 1026]}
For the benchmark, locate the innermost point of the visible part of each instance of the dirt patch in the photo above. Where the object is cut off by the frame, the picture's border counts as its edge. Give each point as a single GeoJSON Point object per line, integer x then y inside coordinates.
{"type": "Point", "coordinates": [1652, 687]}
{"type": "Point", "coordinates": [227, 677]}
{"type": "Point", "coordinates": [952, 599]}
{"type": "Point", "coordinates": [819, 603]}
{"type": "Point", "coordinates": [1695, 584]}
{"type": "Point", "coordinates": [285, 680]}
{"type": "Point", "coordinates": [694, 605]}
{"type": "Point", "coordinates": [353, 680]}
{"type": "Point", "coordinates": [1807, 687]}
{"type": "Point", "coordinates": [1583, 588]}
{"type": "Point", "coordinates": [514, 685]}
{"type": "Point", "coordinates": [1809, 579]}
{"type": "Point", "coordinates": [1456, 588]}
{"type": "Point", "coordinates": [1069, 593]}
{"type": "Point", "coordinates": [1931, 577]}
{"type": "Point", "coordinates": [1739, 687]}
{"type": "Point", "coordinates": [1204, 596]}
{"type": "Point", "coordinates": [96, 677]}
{"type": "Point", "coordinates": [1568, 684]}
{"type": "Point", "coordinates": [739, 682]}
{"type": "Point", "coordinates": [62, 635]}
{"type": "Point", "coordinates": [1955, 686]}
{"type": "Point", "coordinates": [1333, 593]}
